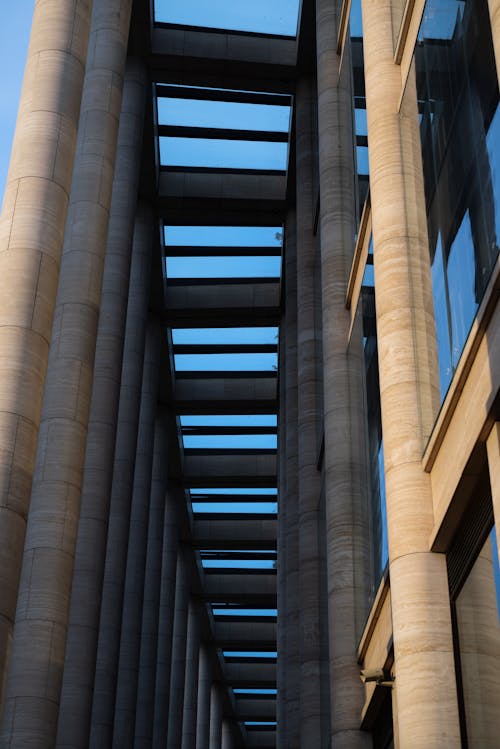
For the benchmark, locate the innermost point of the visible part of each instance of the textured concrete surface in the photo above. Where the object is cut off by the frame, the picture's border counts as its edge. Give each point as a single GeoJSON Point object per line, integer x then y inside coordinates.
{"type": "Point", "coordinates": [179, 642]}
{"type": "Point", "coordinates": [426, 695]}
{"type": "Point", "coordinates": [152, 586]}
{"type": "Point", "coordinates": [122, 483]}
{"type": "Point", "coordinates": [344, 456]}
{"type": "Point", "coordinates": [205, 674]}
{"type": "Point", "coordinates": [215, 717]}
{"type": "Point", "coordinates": [79, 665]}
{"type": "Point", "coordinates": [311, 719]}
{"type": "Point", "coordinates": [133, 594]}
{"type": "Point", "coordinates": [35, 674]}
{"type": "Point", "coordinates": [188, 740]}
{"type": "Point", "coordinates": [31, 239]}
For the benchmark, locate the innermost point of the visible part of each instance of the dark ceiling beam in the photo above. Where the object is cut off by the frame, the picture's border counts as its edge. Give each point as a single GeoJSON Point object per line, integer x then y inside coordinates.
{"type": "Point", "coordinates": [207, 93]}
{"type": "Point", "coordinates": [225, 348]}
{"type": "Point", "coordinates": [181, 251]}
{"type": "Point", "coordinates": [215, 133]}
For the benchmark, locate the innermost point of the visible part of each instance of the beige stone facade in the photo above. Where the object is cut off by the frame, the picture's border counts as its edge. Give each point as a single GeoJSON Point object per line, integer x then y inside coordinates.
{"type": "Point", "coordinates": [249, 405]}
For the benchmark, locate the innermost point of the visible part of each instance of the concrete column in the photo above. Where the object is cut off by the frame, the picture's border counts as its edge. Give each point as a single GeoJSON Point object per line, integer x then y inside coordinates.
{"type": "Point", "coordinates": [151, 604]}
{"type": "Point", "coordinates": [79, 664]}
{"type": "Point", "coordinates": [122, 482]}
{"type": "Point", "coordinates": [227, 735]}
{"type": "Point", "coordinates": [191, 676]}
{"type": "Point", "coordinates": [130, 640]}
{"type": "Point", "coordinates": [35, 675]}
{"type": "Point", "coordinates": [281, 546]}
{"type": "Point", "coordinates": [292, 662]}
{"type": "Point", "coordinates": [215, 717]}
{"type": "Point", "coordinates": [344, 467]}
{"type": "Point", "coordinates": [179, 641]}
{"type": "Point", "coordinates": [204, 688]}
{"type": "Point", "coordinates": [31, 238]}
{"type": "Point", "coordinates": [409, 394]}
{"type": "Point", "coordinates": [493, 447]}
{"type": "Point", "coordinates": [166, 620]}
{"type": "Point", "coordinates": [311, 721]}
{"type": "Point", "coordinates": [494, 8]}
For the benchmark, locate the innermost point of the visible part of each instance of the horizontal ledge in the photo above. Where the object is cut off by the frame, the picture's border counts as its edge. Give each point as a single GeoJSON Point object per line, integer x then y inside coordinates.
{"type": "Point", "coordinates": [165, 90]}
{"type": "Point", "coordinates": [233, 281]}
{"type": "Point", "coordinates": [181, 251]}
{"type": "Point", "coordinates": [243, 430]}
{"type": "Point", "coordinates": [230, 482]}
{"type": "Point", "coordinates": [225, 374]}
{"type": "Point", "coordinates": [169, 169]}
{"type": "Point", "coordinates": [215, 133]}
{"type": "Point", "coordinates": [206, 407]}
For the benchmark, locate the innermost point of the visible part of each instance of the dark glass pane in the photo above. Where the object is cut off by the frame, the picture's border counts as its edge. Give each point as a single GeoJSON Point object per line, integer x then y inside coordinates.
{"type": "Point", "coordinates": [460, 133]}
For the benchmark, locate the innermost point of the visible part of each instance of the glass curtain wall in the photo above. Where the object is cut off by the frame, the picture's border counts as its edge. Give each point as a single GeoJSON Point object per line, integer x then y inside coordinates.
{"type": "Point", "coordinates": [457, 92]}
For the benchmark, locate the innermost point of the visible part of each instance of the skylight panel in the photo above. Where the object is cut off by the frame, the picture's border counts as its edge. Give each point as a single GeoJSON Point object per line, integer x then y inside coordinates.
{"type": "Point", "coordinates": [226, 362]}
{"type": "Point", "coordinates": [222, 267]}
{"type": "Point", "coordinates": [224, 336]}
{"type": "Point", "coordinates": [230, 441]}
{"type": "Point", "coordinates": [230, 420]}
{"type": "Point", "coordinates": [223, 154]}
{"type": "Point", "coordinates": [223, 114]}
{"type": "Point", "coordinates": [235, 508]}
{"type": "Point", "coordinates": [259, 16]}
{"type": "Point", "coordinates": [223, 236]}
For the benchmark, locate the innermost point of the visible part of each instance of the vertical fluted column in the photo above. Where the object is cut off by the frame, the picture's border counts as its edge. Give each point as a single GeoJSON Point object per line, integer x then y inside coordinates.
{"type": "Point", "coordinates": [309, 485]}
{"type": "Point", "coordinates": [179, 641]}
{"type": "Point", "coordinates": [292, 674]}
{"type": "Point", "coordinates": [494, 8]}
{"type": "Point", "coordinates": [227, 735]}
{"type": "Point", "coordinates": [35, 673]}
{"type": "Point", "coordinates": [409, 395]}
{"type": "Point", "coordinates": [204, 687]}
{"type": "Point", "coordinates": [493, 447]}
{"type": "Point", "coordinates": [215, 716]}
{"type": "Point", "coordinates": [130, 638]}
{"type": "Point", "coordinates": [344, 469]}
{"type": "Point", "coordinates": [152, 581]}
{"type": "Point", "coordinates": [122, 482]}
{"type": "Point", "coordinates": [281, 547]}
{"type": "Point", "coordinates": [166, 619]}
{"type": "Point", "coordinates": [191, 676]}
{"type": "Point", "coordinates": [31, 238]}
{"type": "Point", "coordinates": [79, 664]}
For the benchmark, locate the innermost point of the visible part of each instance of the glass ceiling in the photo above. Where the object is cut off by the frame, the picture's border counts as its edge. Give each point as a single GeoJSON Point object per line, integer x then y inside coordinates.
{"type": "Point", "coordinates": [279, 17]}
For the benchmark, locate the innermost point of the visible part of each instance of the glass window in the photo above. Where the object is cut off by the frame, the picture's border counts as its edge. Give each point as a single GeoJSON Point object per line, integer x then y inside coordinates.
{"type": "Point", "coordinates": [460, 134]}
{"type": "Point", "coordinates": [478, 630]}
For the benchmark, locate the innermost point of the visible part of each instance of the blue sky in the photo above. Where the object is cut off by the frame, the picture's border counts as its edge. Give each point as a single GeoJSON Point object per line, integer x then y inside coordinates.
{"type": "Point", "coordinates": [14, 36]}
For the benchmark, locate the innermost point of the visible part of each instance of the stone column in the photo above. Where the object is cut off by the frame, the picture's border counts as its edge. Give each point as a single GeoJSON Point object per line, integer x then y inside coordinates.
{"type": "Point", "coordinates": [191, 676]}
{"type": "Point", "coordinates": [179, 641]}
{"type": "Point", "coordinates": [493, 447]}
{"type": "Point", "coordinates": [204, 688]}
{"type": "Point", "coordinates": [343, 465]}
{"type": "Point", "coordinates": [292, 662]}
{"type": "Point", "coordinates": [216, 710]}
{"type": "Point", "coordinates": [35, 674]}
{"type": "Point", "coordinates": [409, 394]}
{"type": "Point", "coordinates": [79, 664]}
{"type": "Point", "coordinates": [311, 720]}
{"type": "Point", "coordinates": [130, 639]}
{"type": "Point", "coordinates": [31, 238]}
{"type": "Point", "coordinates": [494, 8]}
{"type": "Point", "coordinates": [166, 619]}
{"type": "Point", "coordinates": [281, 712]}
{"type": "Point", "coordinates": [227, 735]}
{"type": "Point", "coordinates": [151, 605]}
{"type": "Point", "coordinates": [122, 482]}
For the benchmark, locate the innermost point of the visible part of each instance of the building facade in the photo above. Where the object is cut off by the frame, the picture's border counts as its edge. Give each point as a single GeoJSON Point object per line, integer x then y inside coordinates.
{"type": "Point", "coordinates": [249, 377]}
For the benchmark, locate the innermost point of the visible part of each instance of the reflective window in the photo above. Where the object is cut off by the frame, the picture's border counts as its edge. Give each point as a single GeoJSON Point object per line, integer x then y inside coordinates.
{"type": "Point", "coordinates": [460, 134]}
{"type": "Point", "coordinates": [478, 628]}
